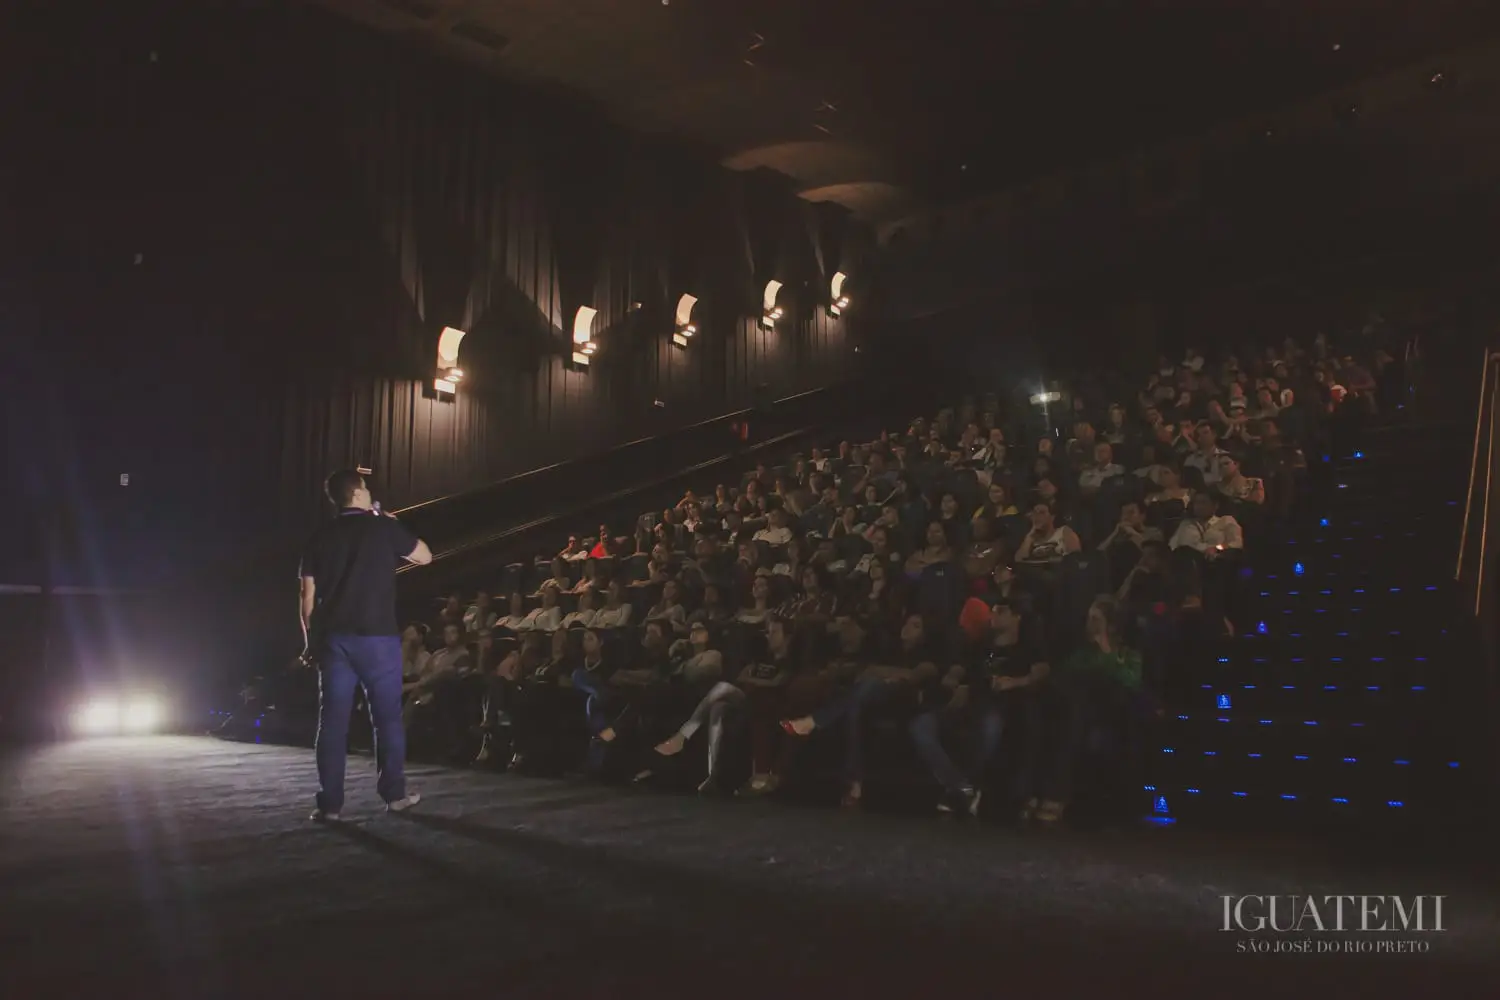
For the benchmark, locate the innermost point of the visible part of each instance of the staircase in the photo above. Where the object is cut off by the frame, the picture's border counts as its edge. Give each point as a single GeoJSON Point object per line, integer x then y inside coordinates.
{"type": "Point", "coordinates": [1350, 696]}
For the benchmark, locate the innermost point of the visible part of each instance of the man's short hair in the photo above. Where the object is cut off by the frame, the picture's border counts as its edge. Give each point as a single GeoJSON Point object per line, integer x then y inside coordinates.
{"type": "Point", "coordinates": [342, 485]}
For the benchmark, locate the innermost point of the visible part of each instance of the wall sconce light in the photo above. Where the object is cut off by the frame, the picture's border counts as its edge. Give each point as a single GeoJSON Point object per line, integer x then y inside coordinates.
{"type": "Point", "coordinates": [770, 311]}
{"type": "Point", "coordinates": [583, 336]}
{"type": "Point", "coordinates": [448, 372]}
{"type": "Point", "coordinates": [838, 301]}
{"type": "Point", "coordinates": [685, 326]}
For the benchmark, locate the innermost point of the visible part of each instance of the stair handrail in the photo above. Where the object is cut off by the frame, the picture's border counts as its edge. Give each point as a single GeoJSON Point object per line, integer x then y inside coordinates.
{"type": "Point", "coordinates": [1489, 396]}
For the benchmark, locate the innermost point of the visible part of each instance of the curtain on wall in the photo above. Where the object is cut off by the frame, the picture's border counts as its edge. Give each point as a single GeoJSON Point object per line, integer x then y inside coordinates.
{"type": "Point", "coordinates": [240, 228]}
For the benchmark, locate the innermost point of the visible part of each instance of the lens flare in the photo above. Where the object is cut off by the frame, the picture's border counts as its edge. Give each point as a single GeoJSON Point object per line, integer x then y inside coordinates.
{"type": "Point", "coordinates": [132, 716]}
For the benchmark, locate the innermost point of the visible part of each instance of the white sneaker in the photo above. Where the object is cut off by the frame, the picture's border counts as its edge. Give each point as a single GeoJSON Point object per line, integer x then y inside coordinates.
{"type": "Point", "coordinates": [319, 816]}
{"type": "Point", "coordinates": [404, 803]}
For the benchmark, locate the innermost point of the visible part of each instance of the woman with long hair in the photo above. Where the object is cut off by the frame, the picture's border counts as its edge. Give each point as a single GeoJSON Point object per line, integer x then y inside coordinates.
{"type": "Point", "coordinates": [1099, 685]}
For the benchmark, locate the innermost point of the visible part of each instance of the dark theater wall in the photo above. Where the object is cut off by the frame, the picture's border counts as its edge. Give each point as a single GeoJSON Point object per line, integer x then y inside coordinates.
{"type": "Point", "coordinates": [238, 228]}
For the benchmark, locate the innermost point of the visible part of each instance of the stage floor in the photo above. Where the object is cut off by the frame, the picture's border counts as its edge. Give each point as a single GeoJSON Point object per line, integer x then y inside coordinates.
{"type": "Point", "coordinates": [184, 867]}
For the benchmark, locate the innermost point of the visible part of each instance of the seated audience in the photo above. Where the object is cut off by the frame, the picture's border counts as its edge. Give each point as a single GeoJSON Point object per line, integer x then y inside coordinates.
{"type": "Point", "coordinates": [937, 549]}
{"type": "Point", "coordinates": [999, 690]}
{"type": "Point", "coordinates": [1206, 531]}
{"type": "Point", "coordinates": [669, 610]}
{"type": "Point", "coordinates": [759, 610]}
{"type": "Point", "coordinates": [479, 615]}
{"type": "Point", "coordinates": [616, 611]}
{"type": "Point", "coordinates": [1048, 541]}
{"type": "Point", "coordinates": [1235, 485]}
{"type": "Point", "coordinates": [1100, 470]}
{"type": "Point", "coordinates": [810, 573]}
{"type": "Point", "coordinates": [584, 616]}
{"type": "Point", "coordinates": [414, 655]}
{"type": "Point", "coordinates": [909, 677]}
{"type": "Point", "coordinates": [1098, 685]}
{"type": "Point", "coordinates": [548, 616]}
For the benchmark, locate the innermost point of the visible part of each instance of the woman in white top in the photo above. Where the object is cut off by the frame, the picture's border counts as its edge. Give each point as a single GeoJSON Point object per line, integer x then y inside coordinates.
{"type": "Point", "coordinates": [615, 613]}
{"type": "Point", "coordinates": [1048, 541]}
{"type": "Point", "coordinates": [792, 565]}
{"type": "Point", "coordinates": [669, 610]}
{"type": "Point", "coordinates": [517, 616]}
{"type": "Point", "coordinates": [547, 617]}
{"type": "Point", "coordinates": [776, 532]}
{"type": "Point", "coordinates": [480, 614]}
{"type": "Point", "coordinates": [584, 616]}
{"type": "Point", "coordinates": [760, 602]}
{"type": "Point", "coordinates": [414, 655]}
{"type": "Point", "coordinates": [559, 579]}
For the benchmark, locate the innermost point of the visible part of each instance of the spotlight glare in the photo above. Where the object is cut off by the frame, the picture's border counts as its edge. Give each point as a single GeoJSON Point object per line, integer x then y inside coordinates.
{"type": "Point", "coordinates": [141, 716]}
{"type": "Point", "coordinates": [100, 717]}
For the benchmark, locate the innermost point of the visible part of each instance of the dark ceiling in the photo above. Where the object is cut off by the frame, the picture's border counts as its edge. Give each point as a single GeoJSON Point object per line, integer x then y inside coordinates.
{"type": "Point", "coordinates": [884, 107]}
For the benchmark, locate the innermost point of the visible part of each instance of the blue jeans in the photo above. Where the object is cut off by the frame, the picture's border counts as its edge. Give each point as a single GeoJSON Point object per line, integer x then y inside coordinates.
{"type": "Point", "coordinates": [344, 662]}
{"type": "Point", "coordinates": [850, 709]}
{"type": "Point", "coordinates": [599, 699]}
{"type": "Point", "coordinates": [927, 735]}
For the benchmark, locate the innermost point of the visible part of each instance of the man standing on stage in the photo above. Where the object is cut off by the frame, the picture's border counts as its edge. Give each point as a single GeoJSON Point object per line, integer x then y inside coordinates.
{"type": "Point", "coordinates": [349, 630]}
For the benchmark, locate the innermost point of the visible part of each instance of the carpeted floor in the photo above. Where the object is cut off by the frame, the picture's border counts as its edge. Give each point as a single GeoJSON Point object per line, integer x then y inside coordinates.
{"type": "Point", "coordinates": [179, 867]}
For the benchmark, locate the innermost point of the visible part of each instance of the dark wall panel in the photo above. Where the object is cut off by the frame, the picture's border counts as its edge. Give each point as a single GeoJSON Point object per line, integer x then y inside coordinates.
{"type": "Point", "coordinates": [239, 228]}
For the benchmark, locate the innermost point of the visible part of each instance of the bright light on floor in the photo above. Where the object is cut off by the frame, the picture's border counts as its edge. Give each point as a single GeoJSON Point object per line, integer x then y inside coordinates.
{"type": "Point", "coordinates": [116, 717]}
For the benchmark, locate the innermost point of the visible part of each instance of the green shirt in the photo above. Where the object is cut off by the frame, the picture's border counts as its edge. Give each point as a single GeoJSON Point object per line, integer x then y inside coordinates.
{"type": "Point", "coordinates": [1122, 666]}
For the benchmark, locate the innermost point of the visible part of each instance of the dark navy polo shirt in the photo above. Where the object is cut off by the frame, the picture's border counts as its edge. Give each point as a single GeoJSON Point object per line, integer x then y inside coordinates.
{"type": "Point", "coordinates": [352, 561]}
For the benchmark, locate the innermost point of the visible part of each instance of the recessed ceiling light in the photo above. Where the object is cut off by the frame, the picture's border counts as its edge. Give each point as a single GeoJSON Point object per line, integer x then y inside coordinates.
{"type": "Point", "coordinates": [1337, 46]}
